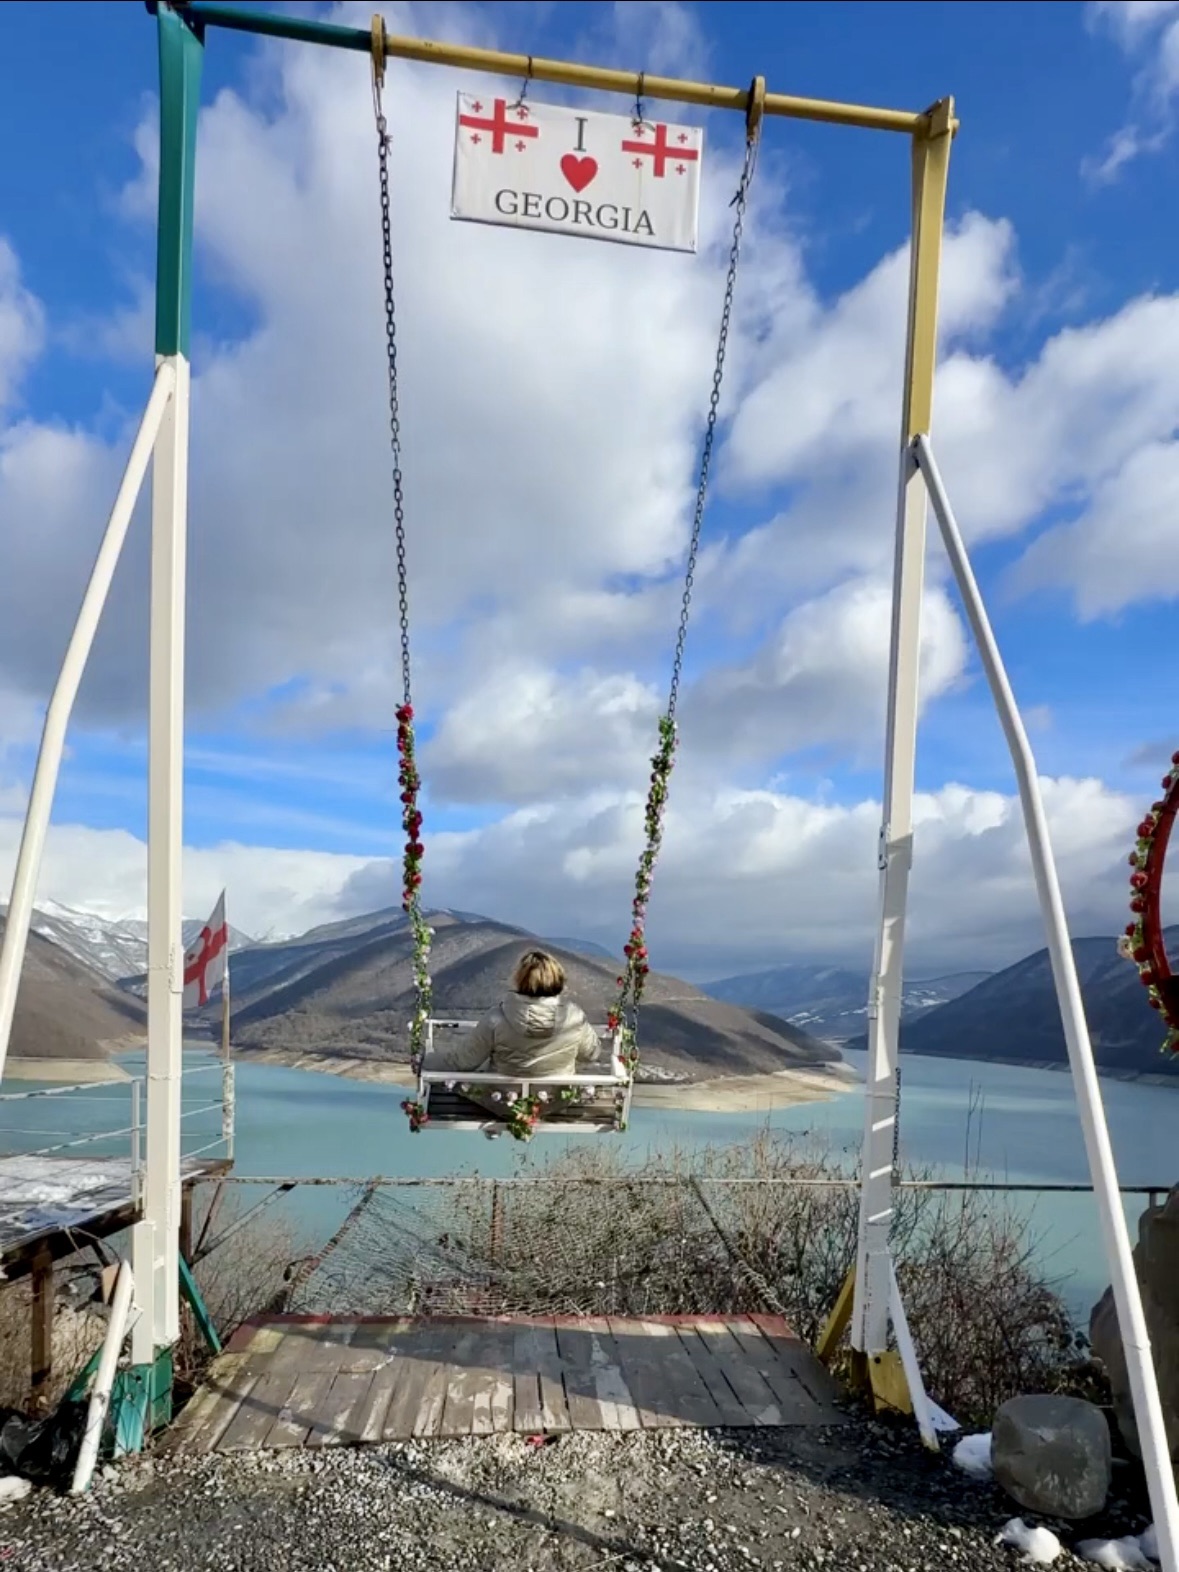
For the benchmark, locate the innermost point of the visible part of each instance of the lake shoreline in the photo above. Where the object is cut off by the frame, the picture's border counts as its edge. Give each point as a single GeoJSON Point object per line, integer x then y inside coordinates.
{"type": "Point", "coordinates": [63, 1072]}
{"type": "Point", "coordinates": [713, 1094]}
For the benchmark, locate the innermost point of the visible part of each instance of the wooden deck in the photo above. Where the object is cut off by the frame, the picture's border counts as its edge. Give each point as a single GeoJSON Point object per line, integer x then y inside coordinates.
{"type": "Point", "coordinates": [290, 1381]}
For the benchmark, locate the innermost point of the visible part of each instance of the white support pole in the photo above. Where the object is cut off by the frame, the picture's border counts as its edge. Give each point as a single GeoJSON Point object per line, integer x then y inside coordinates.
{"type": "Point", "coordinates": [100, 1395]}
{"type": "Point", "coordinates": [873, 1274]}
{"type": "Point", "coordinates": [922, 1410]}
{"type": "Point", "coordinates": [160, 1277]}
{"type": "Point", "coordinates": [1144, 1390]}
{"type": "Point", "coordinates": [61, 705]}
{"type": "Point", "coordinates": [873, 1287]}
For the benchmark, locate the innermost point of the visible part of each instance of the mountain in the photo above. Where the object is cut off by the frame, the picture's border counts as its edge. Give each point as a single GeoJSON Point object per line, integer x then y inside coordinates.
{"type": "Point", "coordinates": [580, 947]}
{"type": "Point", "coordinates": [1013, 1016]}
{"type": "Point", "coordinates": [350, 994]}
{"type": "Point", "coordinates": [66, 1009]}
{"type": "Point", "coordinates": [831, 1001]}
{"type": "Point", "coordinates": [115, 948]}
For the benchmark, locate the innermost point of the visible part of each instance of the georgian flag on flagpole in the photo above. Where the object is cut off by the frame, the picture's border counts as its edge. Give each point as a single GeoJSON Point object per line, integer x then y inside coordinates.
{"type": "Point", "coordinates": [204, 960]}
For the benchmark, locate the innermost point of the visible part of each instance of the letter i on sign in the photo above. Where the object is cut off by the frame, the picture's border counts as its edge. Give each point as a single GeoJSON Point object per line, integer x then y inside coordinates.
{"type": "Point", "coordinates": [576, 172]}
{"type": "Point", "coordinates": [578, 167]}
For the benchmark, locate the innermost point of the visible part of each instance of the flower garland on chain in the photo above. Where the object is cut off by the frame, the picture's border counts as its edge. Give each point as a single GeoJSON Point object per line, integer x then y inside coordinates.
{"type": "Point", "coordinates": [411, 821]}
{"type": "Point", "coordinates": [1142, 941]}
{"type": "Point", "coordinates": [623, 1016]}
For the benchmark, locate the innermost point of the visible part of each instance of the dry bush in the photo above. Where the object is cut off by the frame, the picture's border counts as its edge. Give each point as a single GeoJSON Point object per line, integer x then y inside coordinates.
{"type": "Point", "coordinates": [239, 1279]}
{"type": "Point", "coordinates": [987, 1322]}
{"type": "Point", "coordinates": [77, 1334]}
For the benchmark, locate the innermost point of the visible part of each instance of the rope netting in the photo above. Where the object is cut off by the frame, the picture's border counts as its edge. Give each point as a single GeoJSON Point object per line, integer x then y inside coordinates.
{"type": "Point", "coordinates": [627, 1243]}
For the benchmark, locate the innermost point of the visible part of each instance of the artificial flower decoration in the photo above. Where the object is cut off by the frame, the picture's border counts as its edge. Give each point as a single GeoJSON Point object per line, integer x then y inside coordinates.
{"type": "Point", "coordinates": [1142, 941]}
{"type": "Point", "coordinates": [411, 821]}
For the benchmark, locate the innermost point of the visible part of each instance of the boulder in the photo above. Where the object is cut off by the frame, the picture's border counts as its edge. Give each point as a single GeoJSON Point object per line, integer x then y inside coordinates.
{"type": "Point", "coordinates": [1053, 1455]}
{"type": "Point", "coordinates": [1156, 1260]}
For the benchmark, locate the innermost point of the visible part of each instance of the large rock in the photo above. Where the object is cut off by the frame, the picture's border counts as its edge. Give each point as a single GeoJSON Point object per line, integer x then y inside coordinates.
{"type": "Point", "coordinates": [1052, 1455]}
{"type": "Point", "coordinates": [1156, 1259]}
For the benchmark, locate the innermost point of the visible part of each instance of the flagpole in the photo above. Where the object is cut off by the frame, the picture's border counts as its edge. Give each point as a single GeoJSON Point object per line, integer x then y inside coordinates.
{"type": "Point", "coordinates": [227, 1087]}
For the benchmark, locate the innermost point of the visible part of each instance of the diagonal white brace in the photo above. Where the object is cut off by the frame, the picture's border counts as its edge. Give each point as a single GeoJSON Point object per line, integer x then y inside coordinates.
{"type": "Point", "coordinates": [61, 705]}
{"type": "Point", "coordinates": [1148, 1411]}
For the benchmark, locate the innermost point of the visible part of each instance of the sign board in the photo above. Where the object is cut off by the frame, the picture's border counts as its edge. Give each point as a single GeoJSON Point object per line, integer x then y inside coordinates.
{"type": "Point", "coordinates": [576, 172]}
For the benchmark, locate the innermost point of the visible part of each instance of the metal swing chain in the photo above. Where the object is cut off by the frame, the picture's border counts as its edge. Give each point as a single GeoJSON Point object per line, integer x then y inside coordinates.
{"type": "Point", "coordinates": [739, 202]}
{"type": "Point", "coordinates": [409, 777]}
{"type": "Point", "coordinates": [383, 141]}
{"type": "Point", "coordinates": [631, 984]}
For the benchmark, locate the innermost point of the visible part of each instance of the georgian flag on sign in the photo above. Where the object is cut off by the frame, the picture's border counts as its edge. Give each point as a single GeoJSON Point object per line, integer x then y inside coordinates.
{"type": "Point", "coordinates": [204, 960]}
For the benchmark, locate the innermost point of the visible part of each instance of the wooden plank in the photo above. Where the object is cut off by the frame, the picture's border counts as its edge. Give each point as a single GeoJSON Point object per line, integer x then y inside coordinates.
{"type": "Point", "coordinates": [755, 1394]}
{"type": "Point", "coordinates": [732, 1410]}
{"type": "Point", "coordinates": [465, 1377]}
{"type": "Point", "coordinates": [298, 1412]}
{"type": "Point", "coordinates": [433, 1401]}
{"type": "Point", "coordinates": [641, 1370]}
{"type": "Point", "coordinates": [539, 1385]}
{"type": "Point", "coordinates": [796, 1403]}
{"type": "Point", "coordinates": [804, 1361]}
{"type": "Point", "coordinates": [619, 1411]}
{"type": "Point", "coordinates": [686, 1395]}
{"type": "Point", "coordinates": [220, 1415]}
{"type": "Point", "coordinates": [210, 1409]}
{"type": "Point", "coordinates": [501, 1394]}
{"type": "Point", "coordinates": [528, 1412]}
{"type": "Point", "coordinates": [553, 1407]}
{"type": "Point", "coordinates": [334, 1425]}
{"type": "Point", "coordinates": [415, 1363]}
{"type": "Point", "coordinates": [256, 1413]}
{"type": "Point", "coordinates": [41, 1372]}
{"type": "Point", "coordinates": [371, 1421]}
{"type": "Point", "coordinates": [586, 1411]}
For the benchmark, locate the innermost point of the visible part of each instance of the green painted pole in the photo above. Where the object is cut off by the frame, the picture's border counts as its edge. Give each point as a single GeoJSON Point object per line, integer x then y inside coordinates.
{"type": "Point", "coordinates": [181, 56]}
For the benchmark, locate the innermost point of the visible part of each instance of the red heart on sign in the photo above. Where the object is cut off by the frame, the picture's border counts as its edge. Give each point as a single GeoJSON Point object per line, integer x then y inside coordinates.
{"type": "Point", "coordinates": [578, 171]}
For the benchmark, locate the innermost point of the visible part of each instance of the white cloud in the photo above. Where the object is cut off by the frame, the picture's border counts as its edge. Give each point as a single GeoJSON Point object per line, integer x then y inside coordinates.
{"type": "Point", "coordinates": [22, 325]}
{"type": "Point", "coordinates": [1147, 30]}
{"type": "Point", "coordinates": [822, 678]}
{"type": "Point", "coordinates": [746, 879]}
{"type": "Point", "coordinates": [1124, 547]}
{"type": "Point", "coordinates": [552, 400]}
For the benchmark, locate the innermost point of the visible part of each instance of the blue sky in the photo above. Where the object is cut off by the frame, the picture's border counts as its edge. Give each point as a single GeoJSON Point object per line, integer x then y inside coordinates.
{"type": "Point", "coordinates": [1042, 90]}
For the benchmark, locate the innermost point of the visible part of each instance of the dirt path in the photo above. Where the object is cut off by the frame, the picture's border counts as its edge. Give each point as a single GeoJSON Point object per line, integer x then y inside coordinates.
{"type": "Point", "coordinates": [862, 1498]}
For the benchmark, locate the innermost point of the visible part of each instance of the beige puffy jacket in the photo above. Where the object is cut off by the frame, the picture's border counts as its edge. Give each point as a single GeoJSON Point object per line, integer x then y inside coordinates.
{"type": "Point", "coordinates": [525, 1037]}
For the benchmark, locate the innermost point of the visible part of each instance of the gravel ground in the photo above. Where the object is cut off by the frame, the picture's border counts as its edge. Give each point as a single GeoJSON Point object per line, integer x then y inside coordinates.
{"type": "Point", "coordinates": [859, 1498]}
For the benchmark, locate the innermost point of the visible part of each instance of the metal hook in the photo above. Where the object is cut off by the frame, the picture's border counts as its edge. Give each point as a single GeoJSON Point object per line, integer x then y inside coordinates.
{"type": "Point", "coordinates": [519, 103]}
{"type": "Point", "coordinates": [638, 114]}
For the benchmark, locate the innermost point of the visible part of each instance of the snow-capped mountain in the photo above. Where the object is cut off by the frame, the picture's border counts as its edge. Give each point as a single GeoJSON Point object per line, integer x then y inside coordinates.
{"type": "Point", "coordinates": [113, 947]}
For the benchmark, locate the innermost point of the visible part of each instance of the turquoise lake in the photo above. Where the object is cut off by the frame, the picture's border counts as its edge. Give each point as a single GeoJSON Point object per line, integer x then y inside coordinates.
{"type": "Point", "coordinates": [1021, 1126]}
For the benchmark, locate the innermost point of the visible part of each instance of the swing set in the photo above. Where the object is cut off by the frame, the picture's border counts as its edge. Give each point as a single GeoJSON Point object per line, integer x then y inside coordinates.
{"type": "Point", "coordinates": [869, 1306]}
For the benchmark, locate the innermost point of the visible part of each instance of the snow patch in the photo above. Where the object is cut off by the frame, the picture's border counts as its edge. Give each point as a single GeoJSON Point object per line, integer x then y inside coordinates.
{"type": "Point", "coordinates": [973, 1456]}
{"type": "Point", "coordinates": [1120, 1555]}
{"type": "Point", "coordinates": [1039, 1545]}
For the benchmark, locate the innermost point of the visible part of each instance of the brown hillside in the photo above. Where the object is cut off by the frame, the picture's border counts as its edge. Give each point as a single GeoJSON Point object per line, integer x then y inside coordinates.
{"type": "Point", "coordinates": [358, 1004]}
{"type": "Point", "coordinates": [65, 1010]}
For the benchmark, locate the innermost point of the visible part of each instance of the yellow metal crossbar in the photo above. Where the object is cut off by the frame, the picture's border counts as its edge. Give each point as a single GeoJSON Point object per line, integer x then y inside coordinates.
{"type": "Point", "coordinates": [569, 73]}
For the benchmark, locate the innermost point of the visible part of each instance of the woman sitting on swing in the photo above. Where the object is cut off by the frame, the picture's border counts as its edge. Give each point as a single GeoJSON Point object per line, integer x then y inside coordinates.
{"type": "Point", "coordinates": [533, 1031]}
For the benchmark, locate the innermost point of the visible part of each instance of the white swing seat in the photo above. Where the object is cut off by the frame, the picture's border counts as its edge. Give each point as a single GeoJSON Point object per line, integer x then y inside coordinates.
{"type": "Point", "coordinates": [602, 1104]}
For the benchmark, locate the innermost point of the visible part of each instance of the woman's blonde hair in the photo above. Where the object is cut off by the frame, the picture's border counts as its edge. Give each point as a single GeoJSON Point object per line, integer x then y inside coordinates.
{"type": "Point", "coordinates": [538, 975]}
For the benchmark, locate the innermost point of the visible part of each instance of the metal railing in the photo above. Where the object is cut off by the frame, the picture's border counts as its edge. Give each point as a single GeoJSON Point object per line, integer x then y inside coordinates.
{"type": "Point", "coordinates": [207, 1126]}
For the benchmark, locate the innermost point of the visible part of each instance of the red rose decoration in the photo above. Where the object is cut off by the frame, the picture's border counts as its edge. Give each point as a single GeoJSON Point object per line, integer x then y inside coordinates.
{"type": "Point", "coordinates": [1149, 951]}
